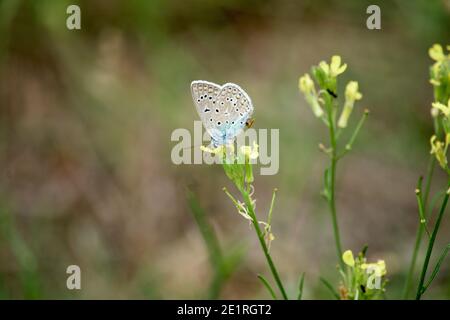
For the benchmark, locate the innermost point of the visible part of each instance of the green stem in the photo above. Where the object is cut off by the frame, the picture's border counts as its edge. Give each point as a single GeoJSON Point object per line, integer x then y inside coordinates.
{"type": "Point", "coordinates": [421, 206]}
{"type": "Point", "coordinates": [420, 229]}
{"type": "Point", "coordinates": [332, 187]}
{"type": "Point", "coordinates": [412, 265]}
{"type": "Point", "coordinates": [421, 201]}
{"type": "Point", "coordinates": [332, 204]}
{"type": "Point", "coordinates": [419, 234]}
{"type": "Point", "coordinates": [212, 243]}
{"type": "Point", "coordinates": [350, 143]}
{"type": "Point", "coordinates": [430, 172]}
{"type": "Point", "coordinates": [437, 267]}
{"type": "Point", "coordinates": [260, 235]}
{"type": "Point", "coordinates": [420, 288]}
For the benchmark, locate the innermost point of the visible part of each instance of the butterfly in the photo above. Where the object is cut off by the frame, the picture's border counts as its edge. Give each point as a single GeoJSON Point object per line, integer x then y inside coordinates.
{"type": "Point", "coordinates": [224, 110]}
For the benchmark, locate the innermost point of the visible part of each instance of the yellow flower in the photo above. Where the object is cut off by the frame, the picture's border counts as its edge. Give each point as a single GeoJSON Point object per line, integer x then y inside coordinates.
{"type": "Point", "coordinates": [438, 148]}
{"type": "Point", "coordinates": [224, 152]}
{"type": "Point", "coordinates": [445, 109]}
{"type": "Point", "coordinates": [436, 52]}
{"type": "Point", "coordinates": [250, 152]}
{"type": "Point", "coordinates": [335, 67]}
{"type": "Point", "coordinates": [434, 112]}
{"type": "Point", "coordinates": [379, 267]}
{"type": "Point", "coordinates": [325, 67]}
{"type": "Point", "coordinates": [216, 150]}
{"type": "Point", "coordinates": [348, 259]}
{"type": "Point", "coordinates": [351, 91]}
{"type": "Point", "coordinates": [351, 95]}
{"type": "Point", "coordinates": [435, 82]}
{"type": "Point", "coordinates": [382, 265]}
{"type": "Point", "coordinates": [435, 73]}
{"type": "Point", "coordinates": [306, 86]}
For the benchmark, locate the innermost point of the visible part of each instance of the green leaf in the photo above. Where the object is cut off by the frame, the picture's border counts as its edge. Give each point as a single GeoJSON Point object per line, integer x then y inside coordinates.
{"type": "Point", "coordinates": [437, 267]}
{"type": "Point", "coordinates": [300, 286]}
{"type": "Point", "coordinates": [330, 287]}
{"type": "Point", "coordinates": [319, 75]}
{"type": "Point", "coordinates": [206, 230]}
{"type": "Point", "coordinates": [268, 287]}
{"type": "Point", "coordinates": [235, 172]}
{"type": "Point", "coordinates": [364, 250]}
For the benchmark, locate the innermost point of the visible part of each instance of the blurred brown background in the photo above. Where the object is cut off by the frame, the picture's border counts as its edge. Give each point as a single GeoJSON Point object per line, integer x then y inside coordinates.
{"type": "Point", "coordinates": [85, 124]}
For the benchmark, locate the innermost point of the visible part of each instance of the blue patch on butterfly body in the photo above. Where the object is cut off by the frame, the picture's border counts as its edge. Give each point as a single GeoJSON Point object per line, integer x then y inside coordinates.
{"type": "Point", "coordinates": [228, 133]}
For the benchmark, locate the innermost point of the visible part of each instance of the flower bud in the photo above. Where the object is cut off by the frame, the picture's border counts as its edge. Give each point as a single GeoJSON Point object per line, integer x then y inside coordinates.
{"type": "Point", "coordinates": [335, 66]}
{"type": "Point", "coordinates": [306, 86]}
{"type": "Point", "coordinates": [351, 95]}
{"type": "Point", "coordinates": [436, 52]}
{"type": "Point", "coordinates": [445, 109]}
{"type": "Point", "coordinates": [348, 259]}
{"type": "Point", "coordinates": [438, 148]}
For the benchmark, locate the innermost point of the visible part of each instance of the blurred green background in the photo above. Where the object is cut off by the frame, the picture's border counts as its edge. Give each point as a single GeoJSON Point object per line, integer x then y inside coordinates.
{"type": "Point", "coordinates": [85, 124]}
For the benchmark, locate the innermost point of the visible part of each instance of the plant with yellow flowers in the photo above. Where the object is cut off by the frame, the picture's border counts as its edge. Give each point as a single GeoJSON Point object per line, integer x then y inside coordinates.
{"type": "Point", "coordinates": [362, 280]}
{"type": "Point", "coordinates": [439, 142]}
{"type": "Point", "coordinates": [239, 170]}
{"type": "Point", "coordinates": [324, 102]}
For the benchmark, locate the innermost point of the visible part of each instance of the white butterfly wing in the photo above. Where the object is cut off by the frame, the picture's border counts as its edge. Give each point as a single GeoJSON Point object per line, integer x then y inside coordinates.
{"type": "Point", "coordinates": [239, 108]}
{"type": "Point", "coordinates": [205, 94]}
{"type": "Point", "coordinates": [223, 110]}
